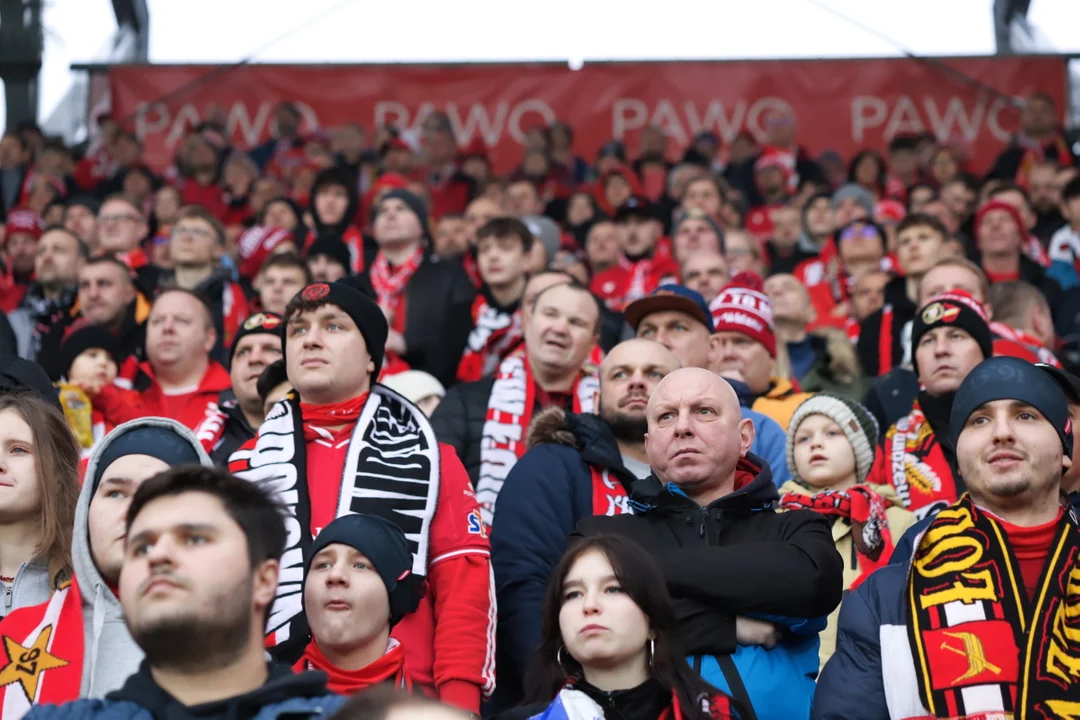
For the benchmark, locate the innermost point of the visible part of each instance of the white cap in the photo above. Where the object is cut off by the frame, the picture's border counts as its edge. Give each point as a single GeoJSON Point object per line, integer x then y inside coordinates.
{"type": "Point", "coordinates": [414, 385]}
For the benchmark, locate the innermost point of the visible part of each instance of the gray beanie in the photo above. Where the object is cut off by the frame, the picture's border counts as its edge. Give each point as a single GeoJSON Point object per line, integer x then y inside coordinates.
{"type": "Point", "coordinates": [695, 214]}
{"type": "Point", "coordinates": [859, 193]}
{"type": "Point", "coordinates": [546, 231]}
{"type": "Point", "coordinates": [859, 426]}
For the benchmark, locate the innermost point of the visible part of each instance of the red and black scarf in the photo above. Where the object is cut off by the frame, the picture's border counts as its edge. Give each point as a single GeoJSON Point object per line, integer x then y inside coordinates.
{"type": "Point", "coordinates": [43, 647]}
{"type": "Point", "coordinates": [390, 283]}
{"type": "Point", "coordinates": [495, 333]}
{"type": "Point", "coordinates": [864, 509]}
{"type": "Point", "coordinates": [390, 668]}
{"type": "Point", "coordinates": [918, 468]}
{"type": "Point", "coordinates": [979, 644]}
{"type": "Point", "coordinates": [510, 410]}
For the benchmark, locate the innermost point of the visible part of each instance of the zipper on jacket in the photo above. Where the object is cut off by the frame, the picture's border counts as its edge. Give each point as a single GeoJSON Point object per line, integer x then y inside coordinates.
{"type": "Point", "coordinates": [704, 519]}
{"type": "Point", "coordinates": [8, 590]}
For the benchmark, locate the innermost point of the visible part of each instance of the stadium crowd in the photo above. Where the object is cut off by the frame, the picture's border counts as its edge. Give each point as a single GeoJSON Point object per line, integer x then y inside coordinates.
{"type": "Point", "coordinates": [344, 426]}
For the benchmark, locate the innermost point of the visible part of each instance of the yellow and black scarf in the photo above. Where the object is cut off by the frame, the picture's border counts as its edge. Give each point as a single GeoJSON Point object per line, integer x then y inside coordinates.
{"type": "Point", "coordinates": [979, 644]}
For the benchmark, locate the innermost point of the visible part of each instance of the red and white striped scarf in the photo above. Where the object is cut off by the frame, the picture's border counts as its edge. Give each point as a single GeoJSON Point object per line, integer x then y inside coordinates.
{"type": "Point", "coordinates": [390, 282]}
{"type": "Point", "coordinates": [495, 333]}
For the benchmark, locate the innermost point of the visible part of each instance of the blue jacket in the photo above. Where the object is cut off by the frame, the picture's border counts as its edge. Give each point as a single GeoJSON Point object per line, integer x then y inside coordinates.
{"type": "Point", "coordinates": [738, 557]}
{"type": "Point", "coordinates": [770, 441]}
{"type": "Point", "coordinates": [545, 495]}
{"type": "Point", "coordinates": [300, 696]}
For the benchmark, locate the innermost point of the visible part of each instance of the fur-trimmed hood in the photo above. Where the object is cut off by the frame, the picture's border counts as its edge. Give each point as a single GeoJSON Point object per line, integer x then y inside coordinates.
{"type": "Point", "coordinates": [841, 361]}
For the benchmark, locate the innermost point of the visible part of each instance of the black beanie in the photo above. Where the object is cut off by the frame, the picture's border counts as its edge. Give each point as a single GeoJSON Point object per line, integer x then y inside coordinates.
{"type": "Point", "coordinates": [157, 441]}
{"type": "Point", "coordinates": [267, 323]}
{"type": "Point", "coordinates": [333, 247]}
{"type": "Point", "coordinates": [358, 305]}
{"type": "Point", "coordinates": [17, 374]}
{"type": "Point", "coordinates": [415, 204]}
{"type": "Point", "coordinates": [385, 545]}
{"type": "Point", "coordinates": [955, 308]}
{"type": "Point", "coordinates": [83, 336]}
{"type": "Point", "coordinates": [1009, 378]}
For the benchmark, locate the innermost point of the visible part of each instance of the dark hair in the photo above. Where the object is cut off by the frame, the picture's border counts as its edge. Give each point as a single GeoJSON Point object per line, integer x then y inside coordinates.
{"type": "Point", "coordinates": [288, 260]}
{"type": "Point", "coordinates": [642, 580]}
{"type": "Point", "coordinates": [121, 197]}
{"type": "Point", "coordinates": [259, 516]}
{"type": "Point", "coordinates": [173, 288]}
{"type": "Point", "coordinates": [111, 259]}
{"type": "Point", "coordinates": [377, 702]}
{"type": "Point", "coordinates": [56, 454]}
{"type": "Point", "coordinates": [80, 247]}
{"type": "Point", "coordinates": [198, 212]}
{"type": "Point", "coordinates": [924, 186]}
{"type": "Point", "coordinates": [718, 183]}
{"type": "Point", "coordinates": [905, 142]}
{"type": "Point", "coordinates": [501, 227]}
{"type": "Point", "coordinates": [1071, 191]}
{"type": "Point", "coordinates": [862, 155]}
{"type": "Point", "coordinates": [272, 375]}
{"type": "Point", "coordinates": [971, 182]}
{"type": "Point", "coordinates": [1011, 187]}
{"type": "Point", "coordinates": [923, 220]}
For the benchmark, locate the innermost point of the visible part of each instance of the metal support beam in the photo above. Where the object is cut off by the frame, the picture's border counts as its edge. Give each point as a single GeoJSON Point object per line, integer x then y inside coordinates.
{"type": "Point", "coordinates": [21, 46]}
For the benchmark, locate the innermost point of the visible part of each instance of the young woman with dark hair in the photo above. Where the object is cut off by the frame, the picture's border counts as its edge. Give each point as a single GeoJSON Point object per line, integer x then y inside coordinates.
{"type": "Point", "coordinates": [611, 643]}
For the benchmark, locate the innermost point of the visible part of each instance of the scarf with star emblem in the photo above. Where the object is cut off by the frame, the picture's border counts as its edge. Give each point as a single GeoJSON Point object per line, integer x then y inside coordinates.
{"type": "Point", "coordinates": [43, 653]}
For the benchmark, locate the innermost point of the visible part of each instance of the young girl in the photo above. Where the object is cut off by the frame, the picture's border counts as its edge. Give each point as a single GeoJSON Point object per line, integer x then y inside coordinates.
{"type": "Point", "coordinates": [610, 644]}
{"type": "Point", "coordinates": [830, 450]}
{"type": "Point", "coordinates": [39, 486]}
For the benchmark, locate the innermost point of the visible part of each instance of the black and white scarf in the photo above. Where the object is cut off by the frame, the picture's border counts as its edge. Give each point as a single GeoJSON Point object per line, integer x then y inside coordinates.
{"type": "Point", "coordinates": [391, 470]}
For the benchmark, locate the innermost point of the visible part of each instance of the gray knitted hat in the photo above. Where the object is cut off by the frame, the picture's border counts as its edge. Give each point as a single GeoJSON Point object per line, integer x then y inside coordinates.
{"type": "Point", "coordinates": [859, 426]}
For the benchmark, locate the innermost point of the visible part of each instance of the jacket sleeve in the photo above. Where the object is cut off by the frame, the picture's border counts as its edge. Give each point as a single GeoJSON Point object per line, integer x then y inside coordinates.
{"type": "Point", "coordinates": [867, 347]}
{"type": "Point", "coordinates": [804, 577]}
{"type": "Point", "coordinates": [533, 520]}
{"type": "Point", "coordinates": [770, 444]}
{"type": "Point", "coordinates": [438, 349]}
{"type": "Point", "coordinates": [463, 591]}
{"type": "Point", "coordinates": [904, 546]}
{"type": "Point", "coordinates": [451, 421]}
{"type": "Point", "coordinates": [851, 685]}
{"type": "Point", "coordinates": [119, 406]}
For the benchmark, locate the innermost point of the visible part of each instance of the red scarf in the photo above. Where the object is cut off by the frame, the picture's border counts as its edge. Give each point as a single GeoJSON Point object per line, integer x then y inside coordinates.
{"type": "Point", "coordinates": [390, 282]}
{"type": "Point", "coordinates": [341, 413]}
{"type": "Point", "coordinates": [1006, 332]}
{"type": "Point", "coordinates": [44, 648]}
{"type": "Point", "coordinates": [495, 333]}
{"type": "Point", "coordinates": [1036, 152]}
{"type": "Point", "coordinates": [510, 410]}
{"type": "Point", "coordinates": [864, 509]}
{"type": "Point", "coordinates": [472, 269]}
{"type": "Point", "coordinates": [918, 469]}
{"type": "Point", "coordinates": [609, 495]}
{"type": "Point", "coordinates": [390, 668]}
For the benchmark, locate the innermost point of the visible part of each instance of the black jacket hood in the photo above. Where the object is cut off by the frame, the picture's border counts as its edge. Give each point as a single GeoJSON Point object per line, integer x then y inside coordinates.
{"type": "Point", "coordinates": [340, 177]}
{"type": "Point", "coordinates": [281, 685]}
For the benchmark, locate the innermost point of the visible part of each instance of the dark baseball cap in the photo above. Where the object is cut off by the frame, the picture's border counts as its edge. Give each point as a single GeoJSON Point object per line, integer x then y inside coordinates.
{"type": "Point", "coordinates": [670, 297]}
{"type": "Point", "coordinates": [636, 206]}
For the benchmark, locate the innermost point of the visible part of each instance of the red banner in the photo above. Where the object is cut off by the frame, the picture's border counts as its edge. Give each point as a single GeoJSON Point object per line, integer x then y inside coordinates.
{"type": "Point", "coordinates": [841, 105]}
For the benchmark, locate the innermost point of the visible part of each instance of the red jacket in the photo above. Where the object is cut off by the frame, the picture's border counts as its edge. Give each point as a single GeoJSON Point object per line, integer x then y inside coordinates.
{"type": "Point", "coordinates": [118, 405]}
{"type": "Point", "coordinates": [450, 639]}
{"type": "Point", "coordinates": [615, 286]}
{"type": "Point", "coordinates": [211, 197]}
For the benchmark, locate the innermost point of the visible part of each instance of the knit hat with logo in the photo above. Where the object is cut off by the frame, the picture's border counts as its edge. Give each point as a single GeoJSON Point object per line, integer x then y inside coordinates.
{"type": "Point", "coordinates": [955, 308]}
{"type": "Point", "coordinates": [743, 307]}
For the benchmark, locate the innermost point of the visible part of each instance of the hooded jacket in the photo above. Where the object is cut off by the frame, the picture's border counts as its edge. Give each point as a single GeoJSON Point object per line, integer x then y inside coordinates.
{"type": "Point", "coordinates": [283, 695]}
{"type": "Point", "coordinates": [885, 335]}
{"type": "Point", "coordinates": [835, 367]}
{"type": "Point", "coordinates": [110, 653]}
{"type": "Point", "coordinates": [546, 493]}
{"type": "Point", "coordinates": [779, 401]}
{"type": "Point", "coordinates": [713, 560]}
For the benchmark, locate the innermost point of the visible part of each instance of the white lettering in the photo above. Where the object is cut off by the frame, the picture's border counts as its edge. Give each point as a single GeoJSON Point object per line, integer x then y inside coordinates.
{"type": "Point", "coordinates": [955, 115]}
{"type": "Point", "coordinates": [478, 121]}
{"type": "Point", "coordinates": [665, 117]}
{"type": "Point", "coordinates": [627, 114]}
{"type": "Point", "coordinates": [392, 113]}
{"type": "Point", "coordinates": [905, 119]}
{"type": "Point", "coordinates": [761, 108]}
{"type": "Point", "coordinates": [867, 111]}
{"type": "Point", "coordinates": [532, 105]}
{"type": "Point", "coordinates": [250, 131]}
{"type": "Point", "coordinates": [715, 119]}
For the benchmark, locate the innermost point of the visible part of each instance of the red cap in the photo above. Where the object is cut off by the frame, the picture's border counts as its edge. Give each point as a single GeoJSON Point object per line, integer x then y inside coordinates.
{"type": "Point", "coordinates": [743, 307]}
{"type": "Point", "coordinates": [999, 205]}
{"type": "Point", "coordinates": [21, 220]}
{"type": "Point", "coordinates": [255, 245]}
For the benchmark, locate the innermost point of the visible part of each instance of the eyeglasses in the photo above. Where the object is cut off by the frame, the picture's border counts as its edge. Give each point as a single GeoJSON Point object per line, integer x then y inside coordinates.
{"type": "Point", "coordinates": [198, 232]}
{"type": "Point", "coordinates": [118, 218]}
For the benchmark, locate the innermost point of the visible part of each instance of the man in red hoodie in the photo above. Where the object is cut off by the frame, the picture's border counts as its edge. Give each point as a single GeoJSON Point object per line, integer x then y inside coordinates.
{"type": "Point", "coordinates": [179, 380]}
{"type": "Point", "coordinates": [646, 260]}
{"type": "Point", "coordinates": [340, 444]}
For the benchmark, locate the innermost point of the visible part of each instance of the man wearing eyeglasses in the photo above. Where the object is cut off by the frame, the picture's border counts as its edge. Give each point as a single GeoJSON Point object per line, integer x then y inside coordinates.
{"type": "Point", "coordinates": [121, 227]}
{"type": "Point", "coordinates": [196, 246]}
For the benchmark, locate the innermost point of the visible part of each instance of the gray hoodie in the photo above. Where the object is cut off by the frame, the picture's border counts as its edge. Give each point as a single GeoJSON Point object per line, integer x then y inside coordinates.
{"type": "Point", "coordinates": [110, 655]}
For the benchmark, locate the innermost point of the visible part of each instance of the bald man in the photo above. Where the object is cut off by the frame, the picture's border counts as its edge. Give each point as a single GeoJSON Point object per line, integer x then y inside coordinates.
{"type": "Point", "coordinates": [576, 466]}
{"type": "Point", "coordinates": [708, 518]}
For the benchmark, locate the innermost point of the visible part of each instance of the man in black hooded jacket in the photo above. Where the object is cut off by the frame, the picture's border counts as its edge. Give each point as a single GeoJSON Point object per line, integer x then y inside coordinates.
{"type": "Point", "coordinates": [707, 515]}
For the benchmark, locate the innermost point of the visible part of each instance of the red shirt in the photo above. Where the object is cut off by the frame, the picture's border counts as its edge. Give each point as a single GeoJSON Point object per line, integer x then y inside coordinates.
{"type": "Point", "coordinates": [1031, 545]}
{"type": "Point", "coordinates": [190, 408]}
{"type": "Point", "coordinates": [450, 640]}
{"type": "Point", "coordinates": [210, 197]}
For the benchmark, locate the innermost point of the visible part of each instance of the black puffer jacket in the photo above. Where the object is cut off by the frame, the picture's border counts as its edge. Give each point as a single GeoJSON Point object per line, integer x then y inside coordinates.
{"type": "Point", "coordinates": [459, 421]}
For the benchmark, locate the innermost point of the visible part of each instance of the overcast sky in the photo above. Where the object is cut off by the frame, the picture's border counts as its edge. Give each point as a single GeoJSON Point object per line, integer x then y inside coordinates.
{"type": "Point", "coordinates": [222, 31]}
